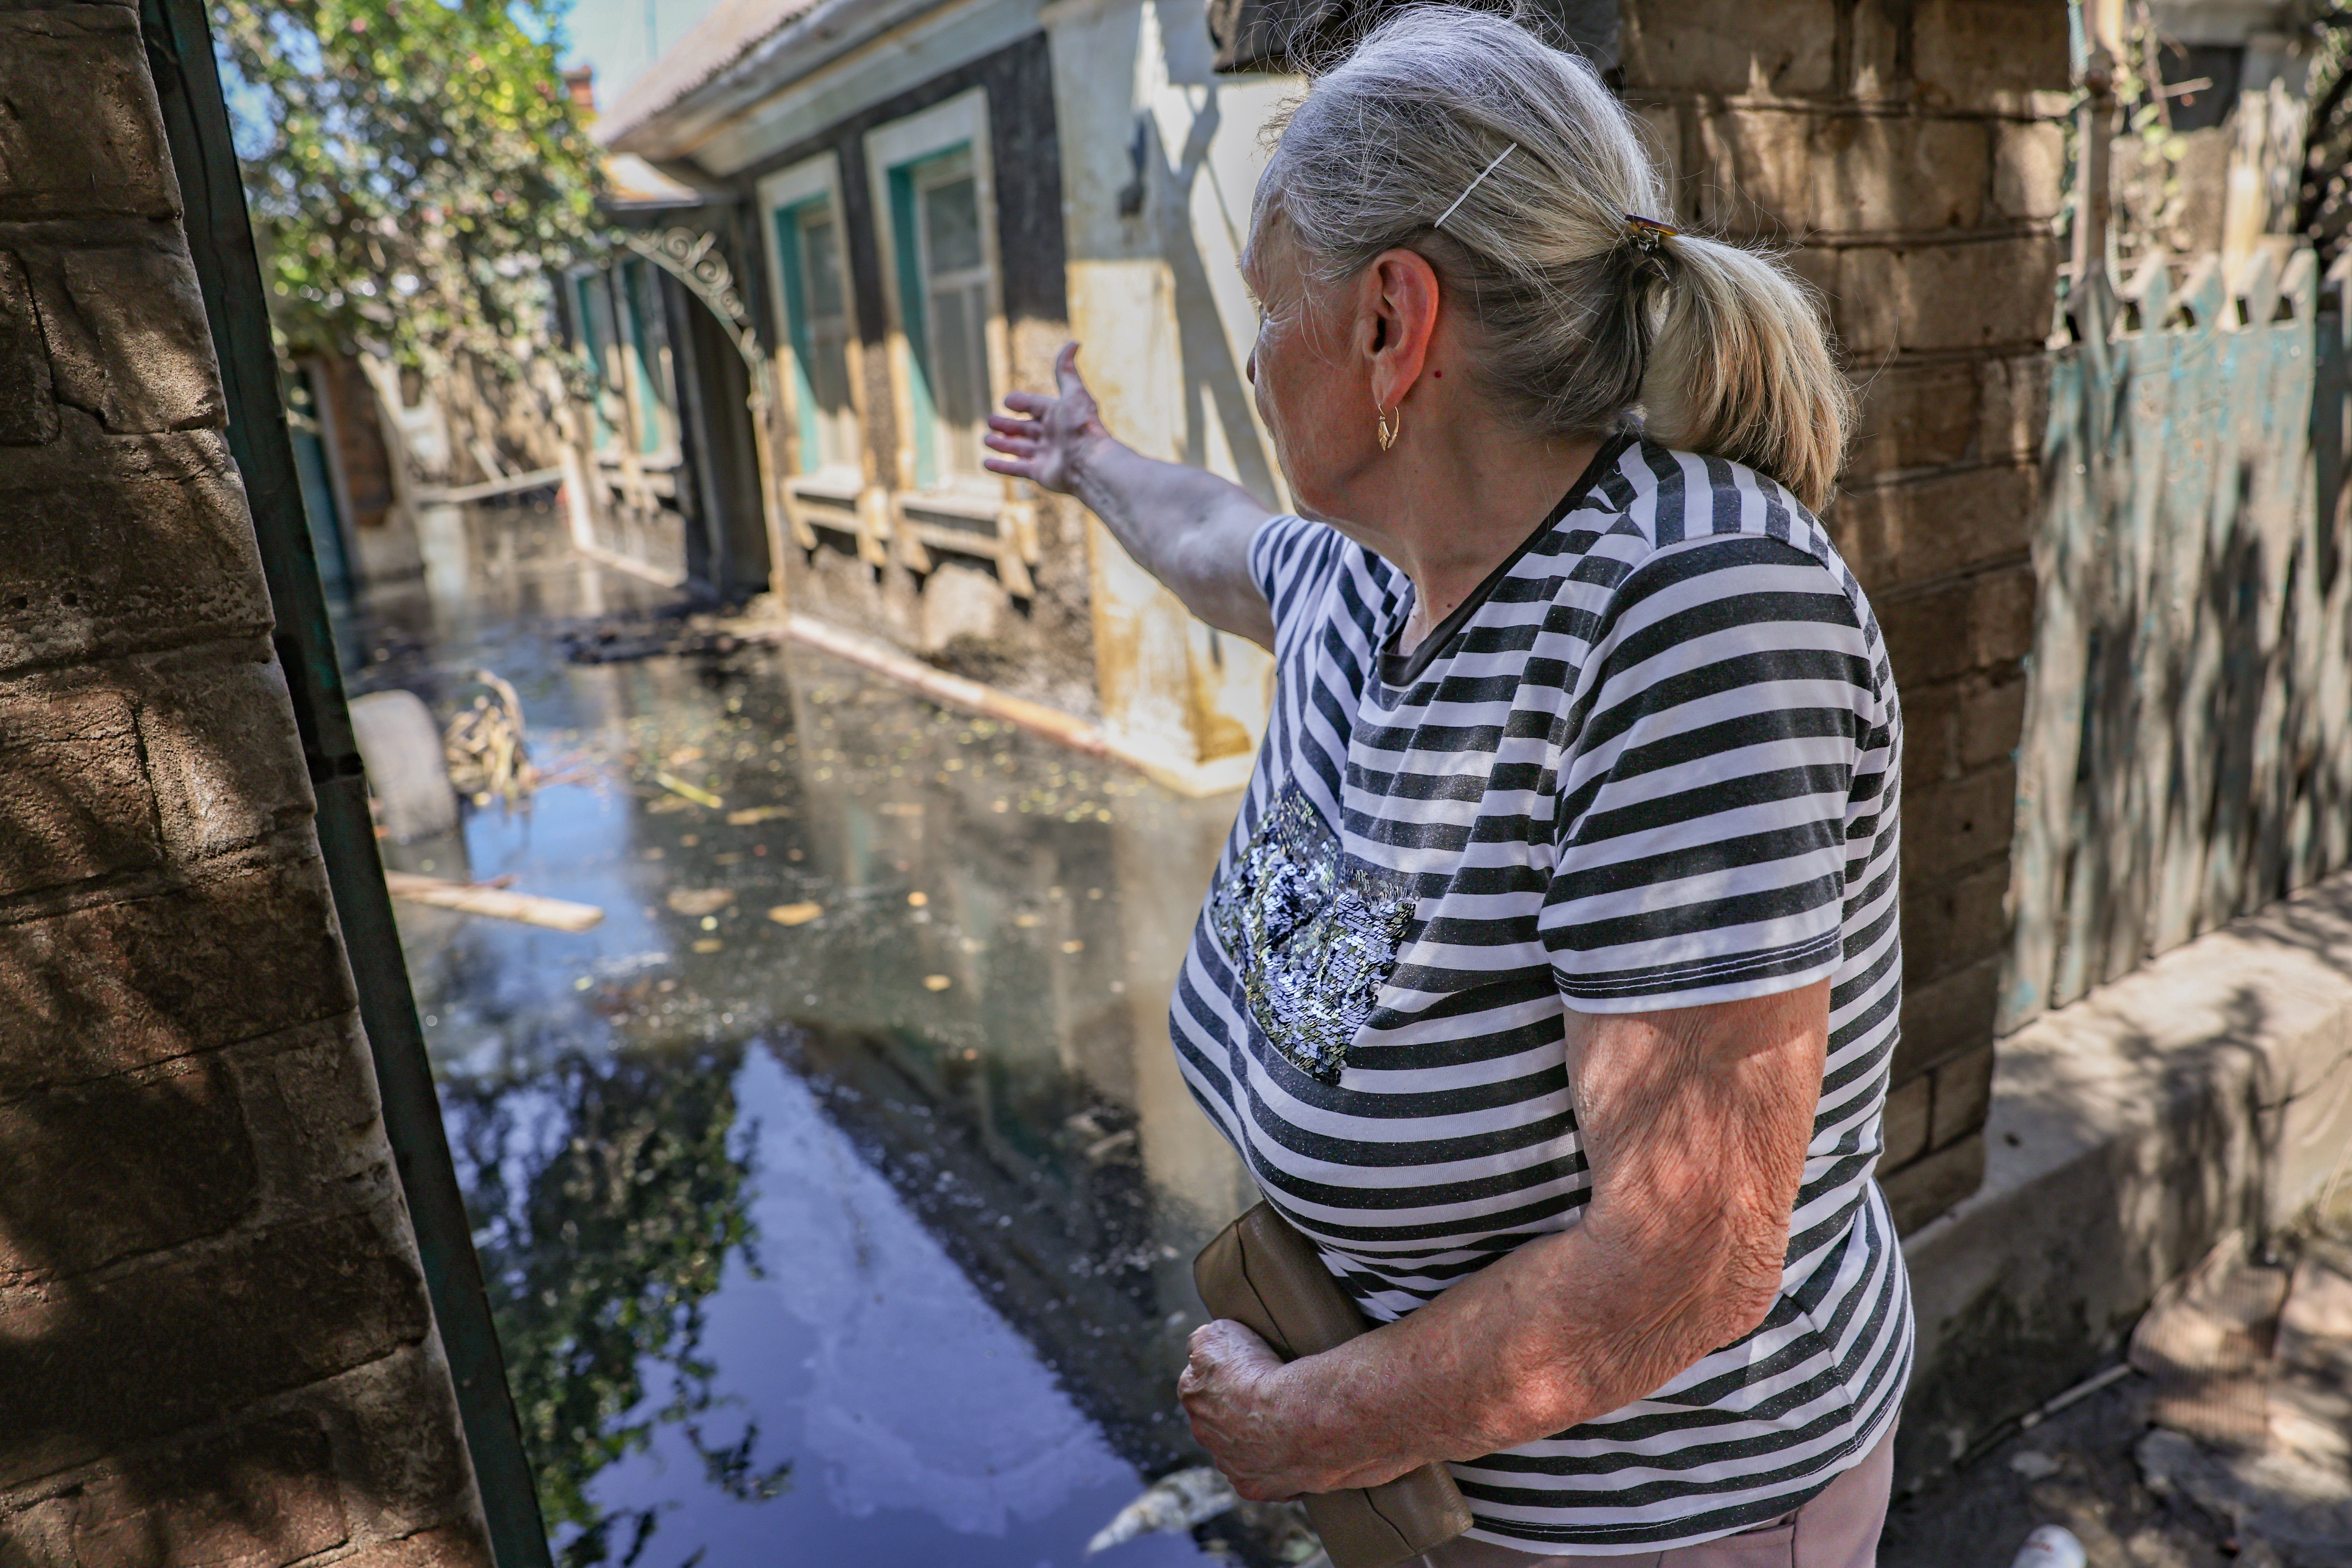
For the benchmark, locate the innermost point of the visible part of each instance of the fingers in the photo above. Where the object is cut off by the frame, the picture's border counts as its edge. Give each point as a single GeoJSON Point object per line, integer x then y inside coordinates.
{"type": "Point", "coordinates": [1065, 370]}
{"type": "Point", "coordinates": [1222, 1339]}
{"type": "Point", "coordinates": [1010, 467]}
{"type": "Point", "coordinates": [1034, 404]}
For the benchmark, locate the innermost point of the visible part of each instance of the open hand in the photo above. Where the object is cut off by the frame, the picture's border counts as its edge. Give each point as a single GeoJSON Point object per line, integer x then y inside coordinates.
{"type": "Point", "coordinates": [1046, 441]}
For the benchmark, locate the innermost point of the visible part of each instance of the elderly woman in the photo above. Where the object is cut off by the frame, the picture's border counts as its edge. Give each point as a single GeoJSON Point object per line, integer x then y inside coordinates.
{"type": "Point", "coordinates": [1549, 980]}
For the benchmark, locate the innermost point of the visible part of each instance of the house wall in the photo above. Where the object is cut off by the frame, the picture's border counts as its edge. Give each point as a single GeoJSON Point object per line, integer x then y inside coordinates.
{"type": "Point", "coordinates": [1122, 168]}
{"type": "Point", "coordinates": [1909, 153]}
{"type": "Point", "coordinates": [1160, 158]}
{"type": "Point", "coordinates": [215, 1338]}
{"type": "Point", "coordinates": [960, 613]}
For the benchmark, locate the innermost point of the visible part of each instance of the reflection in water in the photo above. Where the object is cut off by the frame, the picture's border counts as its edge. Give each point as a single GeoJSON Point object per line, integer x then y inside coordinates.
{"type": "Point", "coordinates": [862, 1237]}
{"type": "Point", "coordinates": [607, 1198]}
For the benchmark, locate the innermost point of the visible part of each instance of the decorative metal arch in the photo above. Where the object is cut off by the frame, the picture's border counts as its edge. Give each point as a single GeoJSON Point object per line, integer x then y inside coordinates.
{"type": "Point", "coordinates": [694, 260]}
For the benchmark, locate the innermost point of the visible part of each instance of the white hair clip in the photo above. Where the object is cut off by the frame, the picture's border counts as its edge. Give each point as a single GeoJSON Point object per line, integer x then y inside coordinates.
{"type": "Point", "coordinates": [1473, 184]}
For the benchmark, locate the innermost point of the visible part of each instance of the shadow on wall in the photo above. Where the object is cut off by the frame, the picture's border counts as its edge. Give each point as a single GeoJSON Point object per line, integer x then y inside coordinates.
{"type": "Point", "coordinates": [1214, 385]}
{"type": "Point", "coordinates": [212, 1331]}
{"type": "Point", "coordinates": [2183, 758]}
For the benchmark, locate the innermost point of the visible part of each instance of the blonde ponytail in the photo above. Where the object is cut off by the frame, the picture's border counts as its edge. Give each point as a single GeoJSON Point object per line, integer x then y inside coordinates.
{"type": "Point", "coordinates": [1741, 368]}
{"type": "Point", "coordinates": [1514, 169]}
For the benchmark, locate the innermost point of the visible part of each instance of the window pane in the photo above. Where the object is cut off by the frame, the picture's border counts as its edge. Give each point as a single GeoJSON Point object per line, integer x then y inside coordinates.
{"type": "Point", "coordinates": [821, 243]}
{"type": "Point", "coordinates": [828, 373]}
{"type": "Point", "coordinates": [951, 225]}
{"type": "Point", "coordinates": [959, 319]}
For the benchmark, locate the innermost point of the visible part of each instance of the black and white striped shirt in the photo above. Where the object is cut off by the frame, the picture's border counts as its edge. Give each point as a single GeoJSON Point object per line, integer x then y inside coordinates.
{"type": "Point", "coordinates": [1653, 762]}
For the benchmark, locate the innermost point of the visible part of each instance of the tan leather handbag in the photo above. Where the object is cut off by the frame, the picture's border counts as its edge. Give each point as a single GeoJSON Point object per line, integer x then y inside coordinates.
{"type": "Point", "coordinates": [1263, 1275]}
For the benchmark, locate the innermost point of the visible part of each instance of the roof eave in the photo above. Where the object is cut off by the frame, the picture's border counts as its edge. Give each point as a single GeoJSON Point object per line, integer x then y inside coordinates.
{"type": "Point", "coordinates": [672, 131]}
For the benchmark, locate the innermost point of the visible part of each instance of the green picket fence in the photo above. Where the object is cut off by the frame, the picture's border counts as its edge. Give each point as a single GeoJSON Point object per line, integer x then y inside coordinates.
{"type": "Point", "coordinates": [2187, 754]}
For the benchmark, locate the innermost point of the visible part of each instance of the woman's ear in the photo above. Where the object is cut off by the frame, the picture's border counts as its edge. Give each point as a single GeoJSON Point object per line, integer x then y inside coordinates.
{"type": "Point", "coordinates": [1399, 305]}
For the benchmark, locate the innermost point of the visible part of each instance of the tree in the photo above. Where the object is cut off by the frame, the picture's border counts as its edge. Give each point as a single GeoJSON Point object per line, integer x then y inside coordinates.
{"type": "Point", "coordinates": [416, 173]}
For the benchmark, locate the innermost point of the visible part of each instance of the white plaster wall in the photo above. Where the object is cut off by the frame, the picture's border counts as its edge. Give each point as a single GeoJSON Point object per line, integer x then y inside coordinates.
{"type": "Point", "coordinates": [1157, 298]}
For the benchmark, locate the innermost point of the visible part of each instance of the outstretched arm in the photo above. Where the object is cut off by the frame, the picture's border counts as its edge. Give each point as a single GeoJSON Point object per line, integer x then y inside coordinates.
{"type": "Point", "coordinates": [1190, 528]}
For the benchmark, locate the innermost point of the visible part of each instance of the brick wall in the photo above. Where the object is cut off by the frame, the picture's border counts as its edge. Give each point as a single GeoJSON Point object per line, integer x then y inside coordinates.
{"type": "Point", "coordinates": [1906, 149]}
{"type": "Point", "coordinates": [214, 1342]}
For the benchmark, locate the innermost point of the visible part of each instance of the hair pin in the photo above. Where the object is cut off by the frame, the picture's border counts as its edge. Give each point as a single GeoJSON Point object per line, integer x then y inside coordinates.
{"type": "Point", "coordinates": [1475, 184]}
{"type": "Point", "coordinates": [1648, 231]}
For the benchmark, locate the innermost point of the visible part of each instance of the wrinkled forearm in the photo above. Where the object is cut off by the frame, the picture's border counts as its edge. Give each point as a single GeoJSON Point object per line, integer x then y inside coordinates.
{"type": "Point", "coordinates": [1564, 1330]}
{"type": "Point", "coordinates": [1696, 1123]}
{"type": "Point", "coordinates": [1185, 526]}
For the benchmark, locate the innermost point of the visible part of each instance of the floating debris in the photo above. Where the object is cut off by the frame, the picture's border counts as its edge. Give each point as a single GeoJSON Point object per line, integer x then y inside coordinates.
{"type": "Point", "coordinates": [482, 899]}
{"type": "Point", "coordinates": [918, 900]}
{"type": "Point", "coordinates": [751, 816]}
{"type": "Point", "coordinates": [693, 902]}
{"type": "Point", "coordinates": [1173, 1502]}
{"type": "Point", "coordinates": [936, 982]}
{"type": "Point", "coordinates": [484, 745]}
{"type": "Point", "coordinates": [1118, 1142]}
{"type": "Point", "coordinates": [684, 790]}
{"type": "Point", "coordinates": [2051, 1546]}
{"type": "Point", "coordinates": [681, 630]}
{"type": "Point", "coordinates": [795, 914]}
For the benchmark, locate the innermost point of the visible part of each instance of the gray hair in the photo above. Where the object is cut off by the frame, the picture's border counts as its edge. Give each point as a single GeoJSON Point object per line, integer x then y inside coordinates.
{"type": "Point", "coordinates": [1584, 315]}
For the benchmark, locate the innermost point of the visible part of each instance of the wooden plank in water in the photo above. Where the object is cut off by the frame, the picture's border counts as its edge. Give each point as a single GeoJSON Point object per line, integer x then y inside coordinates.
{"type": "Point", "coordinates": [498, 903]}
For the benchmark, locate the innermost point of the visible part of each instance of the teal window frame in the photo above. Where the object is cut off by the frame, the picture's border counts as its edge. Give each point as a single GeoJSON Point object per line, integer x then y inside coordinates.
{"type": "Point", "coordinates": [651, 433]}
{"type": "Point", "coordinates": [797, 324]}
{"type": "Point", "coordinates": [914, 312]}
{"type": "Point", "coordinates": [591, 348]}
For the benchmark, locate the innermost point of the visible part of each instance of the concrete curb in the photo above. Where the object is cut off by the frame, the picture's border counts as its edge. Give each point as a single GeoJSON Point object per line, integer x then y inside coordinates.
{"type": "Point", "coordinates": [2210, 1088]}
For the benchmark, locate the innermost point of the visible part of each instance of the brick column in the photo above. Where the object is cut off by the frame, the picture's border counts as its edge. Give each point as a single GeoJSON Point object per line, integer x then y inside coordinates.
{"type": "Point", "coordinates": [214, 1342]}
{"type": "Point", "coordinates": [1908, 151]}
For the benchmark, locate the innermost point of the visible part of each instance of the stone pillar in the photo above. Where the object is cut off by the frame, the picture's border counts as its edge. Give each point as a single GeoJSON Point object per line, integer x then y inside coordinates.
{"type": "Point", "coordinates": [1910, 154]}
{"type": "Point", "coordinates": [215, 1342]}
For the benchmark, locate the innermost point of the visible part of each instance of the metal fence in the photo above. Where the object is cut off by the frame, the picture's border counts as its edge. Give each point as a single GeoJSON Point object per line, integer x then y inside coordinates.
{"type": "Point", "coordinates": [2187, 754]}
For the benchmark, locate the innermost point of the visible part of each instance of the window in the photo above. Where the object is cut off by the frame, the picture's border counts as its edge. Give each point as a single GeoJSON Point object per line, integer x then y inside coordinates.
{"type": "Point", "coordinates": [935, 223]}
{"type": "Point", "coordinates": [950, 308]}
{"type": "Point", "coordinates": [648, 368]}
{"type": "Point", "coordinates": [588, 305]}
{"type": "Point", "coordinates": [809, 253]}
{"type": "Point", "coordinates": [814, 302]}
{"type": "Point", "coordinates": [938, 217]}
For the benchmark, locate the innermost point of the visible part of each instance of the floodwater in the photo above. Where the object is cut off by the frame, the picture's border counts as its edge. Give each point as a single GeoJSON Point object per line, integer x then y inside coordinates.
{"type": "Point", "coordinates": [837, 1191]}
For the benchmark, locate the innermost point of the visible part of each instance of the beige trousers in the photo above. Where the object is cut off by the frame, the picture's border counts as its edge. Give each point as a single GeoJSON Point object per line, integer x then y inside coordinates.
{"type": "Point", "coordinates": [1839, 1529]}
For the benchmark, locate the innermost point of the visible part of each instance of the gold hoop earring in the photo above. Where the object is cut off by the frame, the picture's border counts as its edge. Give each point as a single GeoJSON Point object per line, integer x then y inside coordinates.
{"type": "Point", "coordinates": [1388, 437]}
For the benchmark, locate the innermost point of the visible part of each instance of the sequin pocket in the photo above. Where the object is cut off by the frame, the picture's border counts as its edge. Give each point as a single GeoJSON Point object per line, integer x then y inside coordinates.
{"type": "Point", "coordinates": [1313, 932]}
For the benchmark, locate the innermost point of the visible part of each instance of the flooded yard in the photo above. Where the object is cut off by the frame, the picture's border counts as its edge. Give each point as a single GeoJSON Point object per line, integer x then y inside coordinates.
{"type": "Point", "coordinates": [837, 1191]}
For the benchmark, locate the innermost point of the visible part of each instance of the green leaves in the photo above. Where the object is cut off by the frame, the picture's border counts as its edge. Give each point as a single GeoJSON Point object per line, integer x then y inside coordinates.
{"type": "Point", "coordinates": [416, 171]}
{"type": "Point", "coordinates": [606, 1197]}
